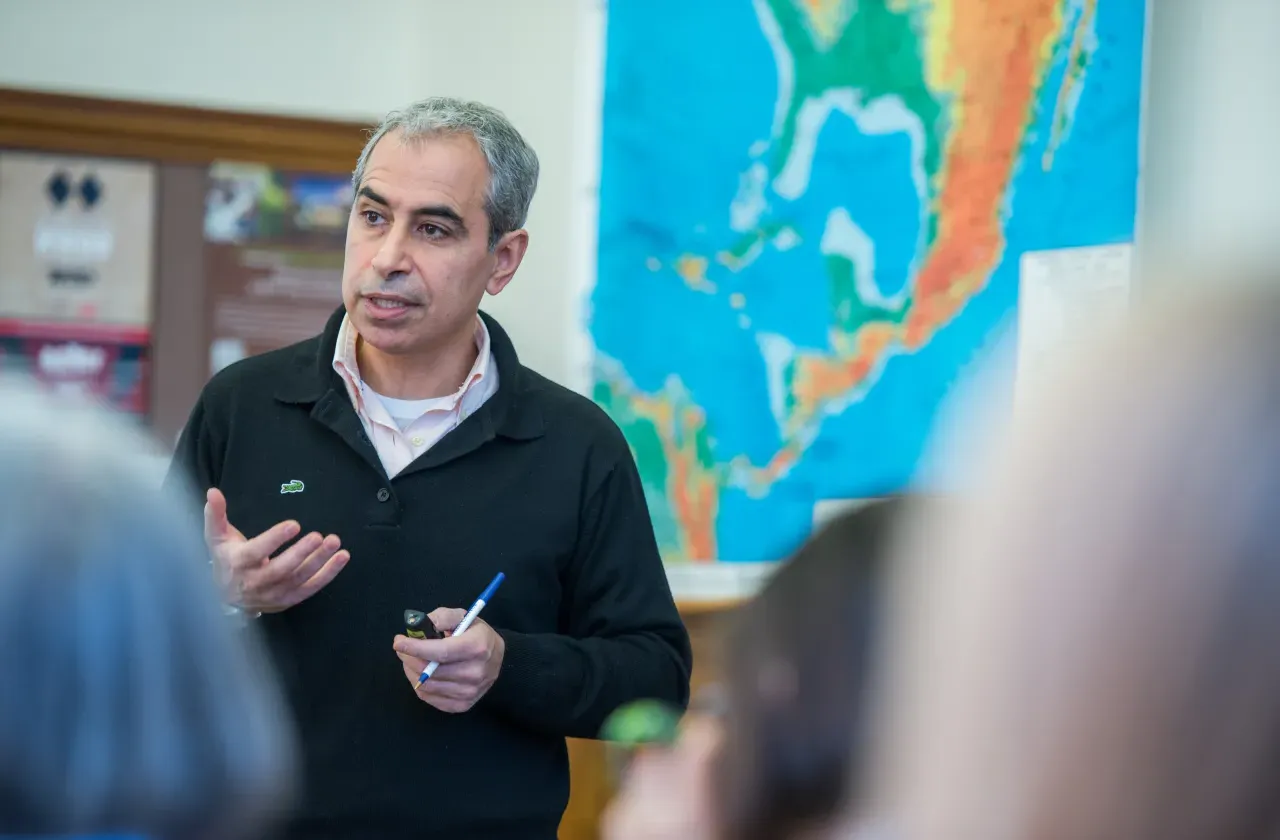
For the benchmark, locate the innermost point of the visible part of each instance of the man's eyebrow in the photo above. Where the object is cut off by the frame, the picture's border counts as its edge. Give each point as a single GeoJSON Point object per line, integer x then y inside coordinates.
{"type": "Point", "coordinates": [373, 196]}
{"type": "Point", "coordinates": [441, 211]}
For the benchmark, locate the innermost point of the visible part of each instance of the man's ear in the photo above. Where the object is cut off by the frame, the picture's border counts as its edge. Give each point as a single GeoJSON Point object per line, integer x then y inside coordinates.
{"type": "Point", "coordinates": [506, 259]}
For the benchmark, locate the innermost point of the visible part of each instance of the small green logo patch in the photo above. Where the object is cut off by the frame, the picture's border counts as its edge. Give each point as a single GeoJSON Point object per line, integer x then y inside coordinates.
{"type": "Point", "coordinates": [294, 486]}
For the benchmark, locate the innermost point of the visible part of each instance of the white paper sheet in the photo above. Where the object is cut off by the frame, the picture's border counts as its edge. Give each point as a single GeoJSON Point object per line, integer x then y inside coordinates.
{"type": "Point", "coordinates": [1065, 298]}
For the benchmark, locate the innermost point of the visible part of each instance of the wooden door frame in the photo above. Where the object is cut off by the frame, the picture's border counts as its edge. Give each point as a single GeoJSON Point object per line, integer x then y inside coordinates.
{"type": "Point", "coordinates": [80, 125]}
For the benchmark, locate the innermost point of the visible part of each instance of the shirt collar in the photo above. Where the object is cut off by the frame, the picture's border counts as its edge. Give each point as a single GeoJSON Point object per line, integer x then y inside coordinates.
{"type": "Point", "coordinates": [305, 375]}
{"type": "Point", "coordinates": [348, 367]}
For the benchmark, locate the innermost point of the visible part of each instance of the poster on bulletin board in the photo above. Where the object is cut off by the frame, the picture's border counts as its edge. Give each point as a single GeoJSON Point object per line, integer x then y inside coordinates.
{"type": "Point", "coordinates": [108, 364]}
{"type": "Point", "coordinates": [274, 244]}
{"type": "Point", "coordinates": [76, 274]}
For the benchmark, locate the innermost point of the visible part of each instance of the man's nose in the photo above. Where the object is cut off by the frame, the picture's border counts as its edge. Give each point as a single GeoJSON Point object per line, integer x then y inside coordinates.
{"type": "Point", "coordinates": [392, 258]}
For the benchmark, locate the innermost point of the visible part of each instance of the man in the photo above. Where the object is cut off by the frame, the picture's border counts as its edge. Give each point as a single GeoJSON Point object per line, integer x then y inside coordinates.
{"type": "Point", "coordinates": [400, 460]}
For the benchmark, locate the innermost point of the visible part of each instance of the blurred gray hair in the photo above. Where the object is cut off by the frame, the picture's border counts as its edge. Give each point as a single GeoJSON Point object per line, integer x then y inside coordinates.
{"type": "Point", "coordinates": [128, 702]}
{"type": "Point", "coordinates": [513, 165]}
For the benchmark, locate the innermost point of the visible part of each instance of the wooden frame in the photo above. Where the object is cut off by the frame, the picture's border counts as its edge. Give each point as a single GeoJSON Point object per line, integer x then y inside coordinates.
{"type": "Point", "coordinates": [173, 134]}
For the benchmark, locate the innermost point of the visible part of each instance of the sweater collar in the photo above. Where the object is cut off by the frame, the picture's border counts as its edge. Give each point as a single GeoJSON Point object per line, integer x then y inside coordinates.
{"type": "Point", "coordinates": [510, 410]}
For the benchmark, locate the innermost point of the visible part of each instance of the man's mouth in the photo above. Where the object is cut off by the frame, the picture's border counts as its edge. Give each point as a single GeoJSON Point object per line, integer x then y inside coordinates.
{"type": "Point", "coordinates": [388, 302]}
{"type": "Point", "coordinates": [387, 309]}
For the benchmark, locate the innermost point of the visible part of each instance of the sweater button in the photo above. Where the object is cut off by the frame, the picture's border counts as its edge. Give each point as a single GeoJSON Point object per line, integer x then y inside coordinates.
{"type": "Point", "coordinates": [383, 494]}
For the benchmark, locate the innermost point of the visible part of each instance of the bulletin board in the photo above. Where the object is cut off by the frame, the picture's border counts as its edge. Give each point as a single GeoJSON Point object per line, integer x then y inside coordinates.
{"type": "Point", "coordinates": [76, 273]}
{"type": "Point", "coordinates": [112, 267]}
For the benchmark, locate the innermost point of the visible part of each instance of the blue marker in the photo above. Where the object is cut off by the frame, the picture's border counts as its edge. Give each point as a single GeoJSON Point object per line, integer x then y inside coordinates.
{"type": "Point", "coordinates": [465, 623]}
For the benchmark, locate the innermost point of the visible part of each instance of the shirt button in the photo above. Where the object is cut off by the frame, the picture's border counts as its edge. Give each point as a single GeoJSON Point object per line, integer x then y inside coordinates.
{"type": "Point", "coordinates": [417, 441]}
{"type": "Point", "coordinates": [383, 494]}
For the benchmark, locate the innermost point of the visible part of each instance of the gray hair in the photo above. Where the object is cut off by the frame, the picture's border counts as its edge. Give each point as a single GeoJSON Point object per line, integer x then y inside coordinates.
{"type": "Point", "coordinates": [513, 165]}
{"type": "Point", "coordinates": [128, 701]}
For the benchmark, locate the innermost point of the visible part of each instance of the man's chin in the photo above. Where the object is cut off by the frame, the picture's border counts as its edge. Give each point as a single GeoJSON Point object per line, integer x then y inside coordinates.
{"type": "Point", "coordinates": [392, 337]}
{"type": "Point", "coordinates": [390, 349]}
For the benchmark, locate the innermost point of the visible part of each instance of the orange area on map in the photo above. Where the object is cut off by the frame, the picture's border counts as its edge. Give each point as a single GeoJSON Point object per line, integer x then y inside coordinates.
{"type": "Point", "coordinates": [995, 100]}
{"type": "Point", "coordinates": [779, 465]}
{"type": "Point", "coordinates": [693, 271]}
{"type": "Point", "coordinates": [693, 491]}
{"type": "Point", "coordinates": [826, 17]}
{"type": "Point", "coordinates": [819, 378]}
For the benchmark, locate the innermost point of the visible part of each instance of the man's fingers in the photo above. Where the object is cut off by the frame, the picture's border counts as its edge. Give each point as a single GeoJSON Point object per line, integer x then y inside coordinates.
{"type": "Point", "coordinates": [446, 618]}
{"type": "Point", "coordinates": [321, 579]}
{"type": "Point", "coordinates": [287, 569]}
{"type": "Point", "coordinates": [313, 562]}
{"type": "Point", "coordinates": [433, 688]}
{"type": "Point", "coordinates": [464, 673]}
{"type": "Point", "coordinates": [427, 650]}
{"type": "Point", "coordinates": [470, 672]}
{"type": "Point", "coordinates": [269, 541]}
{"type": "Point", "coordinates": [439, 691]}
{"type": "Point", "coordinates": [445, 651]}
{"type": "Point", "coordinates": [411, 663]}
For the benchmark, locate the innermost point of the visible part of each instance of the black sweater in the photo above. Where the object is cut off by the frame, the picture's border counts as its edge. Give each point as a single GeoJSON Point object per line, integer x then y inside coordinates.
{"type": "Point", "coordinates": [538, 483]}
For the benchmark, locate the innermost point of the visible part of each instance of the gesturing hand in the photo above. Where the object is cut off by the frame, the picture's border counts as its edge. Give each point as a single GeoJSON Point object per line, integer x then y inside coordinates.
{"type": "Point", "coordinates": [469, 663]}
{"type": "Point", "coordinates": [251, 578]}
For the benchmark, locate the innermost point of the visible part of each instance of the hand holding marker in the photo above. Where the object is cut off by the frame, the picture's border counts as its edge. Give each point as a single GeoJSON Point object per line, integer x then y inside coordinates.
{"type": "Point", "coordinates": [466, 622]}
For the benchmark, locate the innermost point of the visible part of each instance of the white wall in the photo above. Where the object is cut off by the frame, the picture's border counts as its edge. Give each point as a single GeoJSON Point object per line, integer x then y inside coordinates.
{"type": "Point", "coordinates": [1211, 191]}
{"type": "Point", "coordinates": [322, 58]}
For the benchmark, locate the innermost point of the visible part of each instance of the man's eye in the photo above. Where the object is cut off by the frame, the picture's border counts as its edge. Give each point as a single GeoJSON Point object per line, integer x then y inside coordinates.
{"type": "Point", "coordinates": [433, 231]}
{"type": "Point", "coordinates": [371, 217]}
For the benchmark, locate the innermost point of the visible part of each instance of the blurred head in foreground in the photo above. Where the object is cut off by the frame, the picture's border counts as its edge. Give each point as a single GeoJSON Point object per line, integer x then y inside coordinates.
{"type": "Point", "coordinates": [1089, 647]}
{"type": "Point", "coordinates": [776, 761]}
{"type": "Point", "coordinates": [128, 703]}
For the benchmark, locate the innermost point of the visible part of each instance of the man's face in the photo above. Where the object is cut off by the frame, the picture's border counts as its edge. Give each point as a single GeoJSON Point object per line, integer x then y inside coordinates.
{"type": "Point", "coordinates": [417, 259]}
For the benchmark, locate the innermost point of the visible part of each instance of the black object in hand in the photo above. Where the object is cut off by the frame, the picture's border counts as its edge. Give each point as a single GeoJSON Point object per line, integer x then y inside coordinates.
{"type": "Point", "coordinates": [418, 626]}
